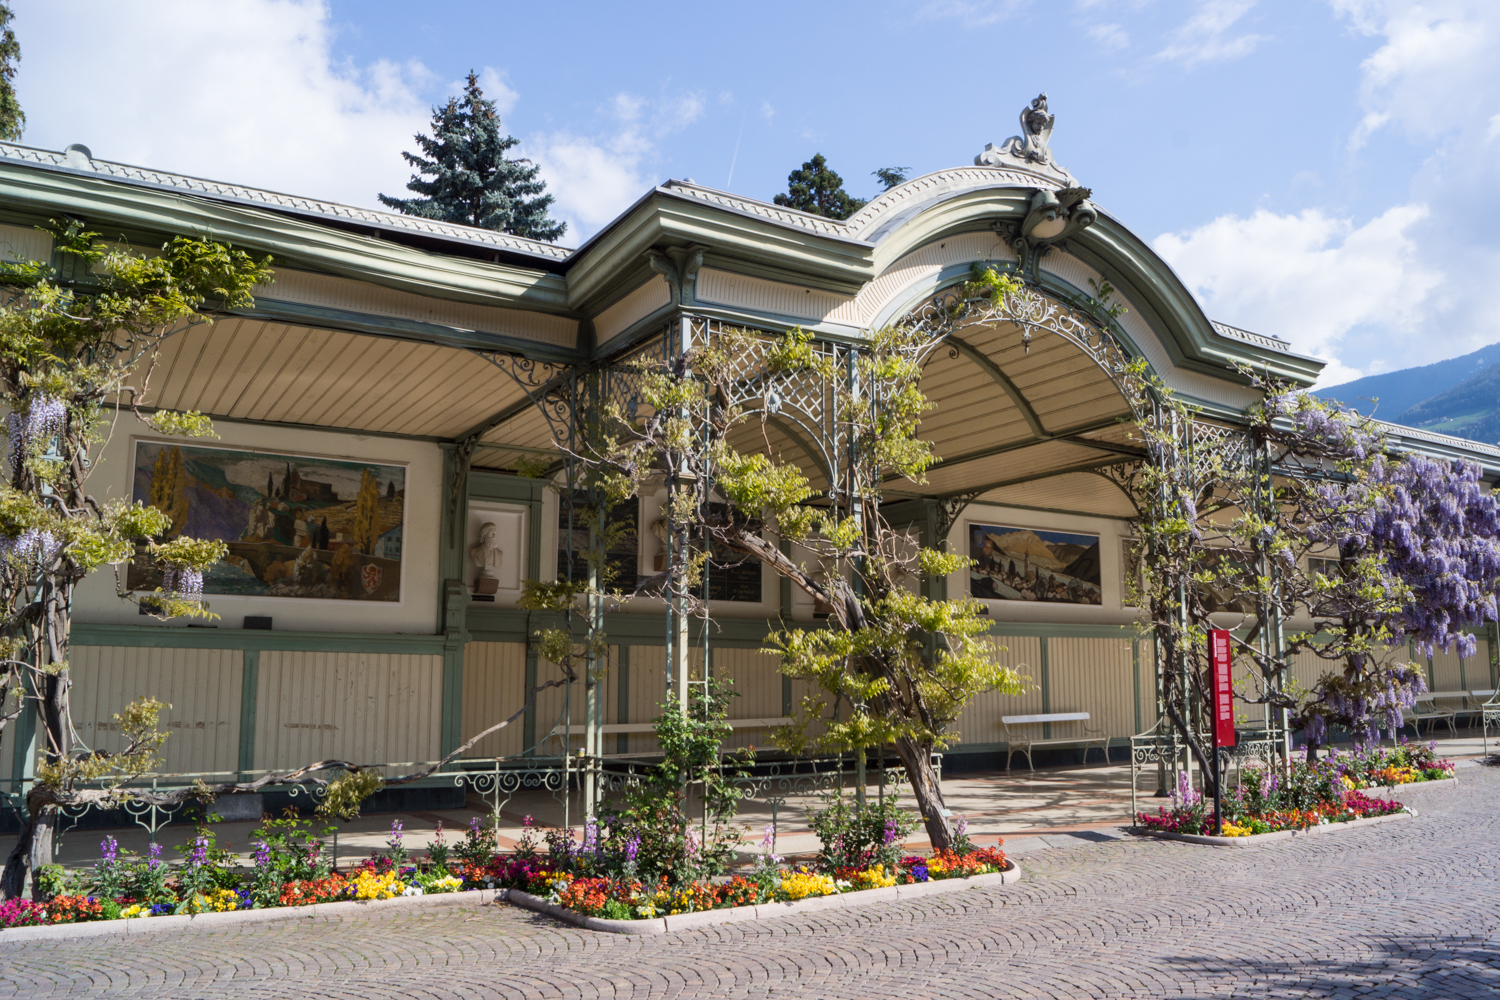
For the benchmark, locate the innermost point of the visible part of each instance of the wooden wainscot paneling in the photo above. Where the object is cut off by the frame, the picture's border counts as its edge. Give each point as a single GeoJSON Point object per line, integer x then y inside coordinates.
{"type": "Point", "coordinates": [980, 722]}
{"type": "Point", "coordinates": [201, 685]}
{"type": "Point", "coordinates": [494, 689]}
{"type": "Point", "coordinates": [757, 681]}
{"type": "Point", "coordinates": [363, 707]}
{"type": "Point", "coordinates": [1093, 676]}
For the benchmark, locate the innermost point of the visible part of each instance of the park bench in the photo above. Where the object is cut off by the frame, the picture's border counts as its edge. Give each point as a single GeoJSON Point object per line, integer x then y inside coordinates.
{"type": "Point", "coordinates": [1427, 709]}
{"type": "Point", "coordinates": [1487, 704]}
{"type": "Point", "coordinates": [616, 728]}
{"type": "Point", "coordinates": [1018, 741]}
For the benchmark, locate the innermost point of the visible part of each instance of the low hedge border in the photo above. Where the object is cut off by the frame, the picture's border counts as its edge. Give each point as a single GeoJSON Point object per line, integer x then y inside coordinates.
{"type": "Point", "coordinates": [151, 925]}
{"type": "Point", "coordinates": [763, 911]}
{"type": "Point", "coordinates": [1265, 838]}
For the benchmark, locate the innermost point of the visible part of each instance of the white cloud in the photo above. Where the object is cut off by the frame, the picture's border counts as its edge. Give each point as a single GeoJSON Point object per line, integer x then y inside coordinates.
{"type": "Point", "coordinates": [973, 13]}
{"type": "Point", "coordinates": [595, 178]}
{"type": "Point", "coordinates": [767, 112]}
{"type": "Point", "coordinates": [1111, 37]}
{"type": "Point", "coordinates": [496, 86]}
{"type": "Point", "coordinates": [1310, 278]}
{"type": "Point", "coordinates": [1206, 36]}
{"type": "Point", "coordinates": [247, 92]}
{"type": "Point", "coordinates": [1436, 70]}
{"type": "Point", "coordinates": [592, 180]}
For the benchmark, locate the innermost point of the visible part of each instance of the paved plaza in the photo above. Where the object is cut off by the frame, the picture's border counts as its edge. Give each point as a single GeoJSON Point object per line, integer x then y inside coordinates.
{"type": "Point", "coordinates": [1406, 909]}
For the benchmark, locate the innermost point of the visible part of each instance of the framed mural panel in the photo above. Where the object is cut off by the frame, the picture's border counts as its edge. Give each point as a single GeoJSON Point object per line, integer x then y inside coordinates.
{"type": "Point", "coordinates": [296, 525]}
{"type": "Point", "coordinates": [1028, 564]}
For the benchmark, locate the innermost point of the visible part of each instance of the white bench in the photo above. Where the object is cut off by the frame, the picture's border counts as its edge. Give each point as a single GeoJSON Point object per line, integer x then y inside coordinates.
{"type": "Point", "coordinates": [617, 728]}
{"type": "Point", "coordinates": [1487, 704]}
{"type": "Point", "coordinates": [1426, 709]}
{"type": "Point", "coordinates": [1020, 742]}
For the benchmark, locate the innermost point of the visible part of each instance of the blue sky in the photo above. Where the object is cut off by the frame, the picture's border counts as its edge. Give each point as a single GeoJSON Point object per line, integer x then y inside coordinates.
{"type": "Point", "coordinates": [1325, 170]}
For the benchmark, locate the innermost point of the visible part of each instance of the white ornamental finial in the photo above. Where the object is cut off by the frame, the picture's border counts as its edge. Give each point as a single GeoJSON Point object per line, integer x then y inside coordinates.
{"type": "Point", "coordinates": [1031, 148]}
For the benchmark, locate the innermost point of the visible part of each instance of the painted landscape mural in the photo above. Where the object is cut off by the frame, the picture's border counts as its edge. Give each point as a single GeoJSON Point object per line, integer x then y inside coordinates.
{"type": "Point", "coordinates": [295, 526]}
{"type": "Point", "coordinates": [1022, 564]}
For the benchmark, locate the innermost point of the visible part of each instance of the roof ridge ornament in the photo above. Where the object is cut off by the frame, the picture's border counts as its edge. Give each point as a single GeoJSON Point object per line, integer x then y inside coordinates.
{"type": "Point", "coordinates": [1032, 148]}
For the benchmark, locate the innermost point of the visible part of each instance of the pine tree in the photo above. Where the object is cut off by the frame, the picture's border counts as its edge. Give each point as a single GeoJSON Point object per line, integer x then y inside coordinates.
{"type": "Point", "coordinates": [817, 190]}
{"type": "Point", "coordinates": [891, 176]}
{"type": "Point", "coordinates": [473, 183]}
{"type": "Point", "coordinates": [12, 119]}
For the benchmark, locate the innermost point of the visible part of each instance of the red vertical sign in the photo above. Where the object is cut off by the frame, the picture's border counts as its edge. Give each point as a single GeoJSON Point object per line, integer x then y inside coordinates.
{"type": "Point", "coordinates": [1223, 690]}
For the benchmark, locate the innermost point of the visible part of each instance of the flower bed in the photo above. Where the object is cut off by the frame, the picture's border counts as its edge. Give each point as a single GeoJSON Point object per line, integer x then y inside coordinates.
{"type": "Point", "coordinates": [1311, 795]}
{"type": "Point", "coordinates": [615, 898]}
{"type": "Point", "coordinates": [290, 868]}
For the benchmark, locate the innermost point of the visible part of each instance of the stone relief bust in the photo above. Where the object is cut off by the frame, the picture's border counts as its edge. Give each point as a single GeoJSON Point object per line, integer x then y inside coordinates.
{"type": "Point", "coordinates": [486, 556]}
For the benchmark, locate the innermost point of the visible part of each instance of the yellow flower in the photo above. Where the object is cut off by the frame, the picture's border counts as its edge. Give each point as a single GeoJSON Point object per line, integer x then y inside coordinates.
{"type": "Point", "coordinates": [135, 911]}
{"type": "Point", "coordinates": [1231, 830]}
{"type": "Point", "coordinates": [224, 900]}
{"type": "Point", "coordinates": [446, 884]}
{"type": "Point", "coordinates": [368, 885]}
{"type": "Point", "coordinates": [874, 878]}
{"type": "Point", "coordinates": [801, 885]}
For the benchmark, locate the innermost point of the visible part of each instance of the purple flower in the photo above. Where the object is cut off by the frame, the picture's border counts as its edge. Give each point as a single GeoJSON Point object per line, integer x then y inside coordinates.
{"type": "Point", "coordinates": [891, 829]}
{"type": "Point", "coordinates": [632, 847]}
{"type": "Point", "coordinates": [108, 848]}
{"type": "Point", "coordinates": [262, 854]}
{"type": "Point", "coordinates": [199, 854]}
{"type": "Point", "coordinates": [395, 838]}
{"type": "Point", "coordinates": [155, 851]}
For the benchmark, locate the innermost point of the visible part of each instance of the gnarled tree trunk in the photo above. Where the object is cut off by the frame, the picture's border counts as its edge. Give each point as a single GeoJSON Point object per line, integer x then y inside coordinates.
{"type": "Point", "coordinates": [917, 758]}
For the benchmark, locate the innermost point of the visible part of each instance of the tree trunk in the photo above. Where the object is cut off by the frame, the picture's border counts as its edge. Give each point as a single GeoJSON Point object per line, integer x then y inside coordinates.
{"type": "Point", "coordinates": [917, 757]}
{"type": "Point", "coordinates": [43, 827]}
{"type": "Point", "coordinates": [13, 882]}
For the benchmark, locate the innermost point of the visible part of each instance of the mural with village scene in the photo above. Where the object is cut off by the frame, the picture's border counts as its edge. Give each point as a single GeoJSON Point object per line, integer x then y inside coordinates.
{"type": "Point", "coordinates": [1023, 564]}
{"type": "Point", "coordinates": [295, 526]}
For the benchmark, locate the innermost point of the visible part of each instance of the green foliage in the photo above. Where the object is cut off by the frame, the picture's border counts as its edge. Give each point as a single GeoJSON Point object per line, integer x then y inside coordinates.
{"type": "Point", "coordinates": [891, 685]}
{"type": "Point", "coordinates": [674, 843]}
{"type": "Point", "coordinates": [12, 118]}
{"type": "Point", "coordinates": [348, 790]}
{"type": "Point", "coordinates": [285, 850]}
{"type": "Point", "coordinates": [138, 725]}
{"type": "Point", "coordinates": [189, 423]}
{"type": "Point", "coordinates": [473, 182]}
{"type": "Point", "coordinates": [819, 191]}
{"type": "Point", "coordinates": [856, 835]}
{"type": "Point", "coordinates": [891, 176]}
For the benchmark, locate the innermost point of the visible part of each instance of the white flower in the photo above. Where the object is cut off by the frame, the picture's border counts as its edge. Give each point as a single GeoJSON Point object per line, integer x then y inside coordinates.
{"type": "Point", "coordinates": [412, 890]}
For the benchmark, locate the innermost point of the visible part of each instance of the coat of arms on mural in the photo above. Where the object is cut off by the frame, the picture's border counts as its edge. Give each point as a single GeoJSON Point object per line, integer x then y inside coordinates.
{"type": "Point", "coordinates": [295, 526]}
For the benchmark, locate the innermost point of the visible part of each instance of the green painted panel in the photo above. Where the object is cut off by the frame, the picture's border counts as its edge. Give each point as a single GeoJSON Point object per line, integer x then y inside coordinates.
{"type": "Point", "coordinates": [170, 637]}
{"type": "Point", "coordinates": [249, 696]}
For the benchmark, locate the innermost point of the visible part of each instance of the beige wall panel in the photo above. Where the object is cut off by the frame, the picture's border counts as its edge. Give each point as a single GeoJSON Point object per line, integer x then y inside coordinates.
{"type": "Point", "coordinates": [1094, 676]}
{"type": "Point", "coordinates": [1481, 675]}
{"type": "Point", "coordinates": [367, 708]}
{"type": "Point", "coordinates": [494, 688]}
{"type": "Point", "coordinates": [980, 722]}
{"type": "Point", "coordinates": [202, 686]}
{"type": "Point", "coordinates": [1447, 673]}
{"type": "Point", "coordinates": [757, 679]}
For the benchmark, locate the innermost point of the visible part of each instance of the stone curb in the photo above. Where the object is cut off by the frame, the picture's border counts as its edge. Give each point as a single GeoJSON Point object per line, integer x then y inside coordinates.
{"type": "Point", "coordinates": [764, 911]}
{"type": "Point", "coordinates": [1256, 839]}
{"type": "Point", "coordinates": [274, 914]}
{"type": "Point", "coordinates": [1411, 785]}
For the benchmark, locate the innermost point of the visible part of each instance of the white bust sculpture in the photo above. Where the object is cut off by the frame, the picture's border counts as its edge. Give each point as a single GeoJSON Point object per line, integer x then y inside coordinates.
{"type": "Point", "coordinates": [486, 556]}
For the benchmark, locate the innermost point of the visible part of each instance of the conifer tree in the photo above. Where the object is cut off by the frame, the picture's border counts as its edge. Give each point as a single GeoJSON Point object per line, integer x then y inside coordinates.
{"type": "Point", "coordinates": [819, 191]}
{"type": "Point", "coordinates": [12, 119]}
{"type": "Point", "coordinates": [891, 176]}
{"type": "Point", "coordinates": [472, 182]}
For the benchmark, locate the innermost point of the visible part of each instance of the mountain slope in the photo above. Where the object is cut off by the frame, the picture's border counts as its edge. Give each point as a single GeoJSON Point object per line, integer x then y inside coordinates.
{"type": "Point", "coordinates": [1400, 391]}
{"type": "Point", "coordinates": [1470, 409]}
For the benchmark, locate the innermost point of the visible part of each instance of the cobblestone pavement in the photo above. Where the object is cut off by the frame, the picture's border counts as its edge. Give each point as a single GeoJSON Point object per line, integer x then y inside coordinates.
{"type": "Point", "coordinates": [1407, 909]}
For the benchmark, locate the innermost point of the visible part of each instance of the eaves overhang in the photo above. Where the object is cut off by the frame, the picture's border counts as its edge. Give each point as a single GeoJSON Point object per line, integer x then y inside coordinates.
{"type": "Point", "coordinates": [1415, 440]}
{"type": "Point", "coordinates": [732, 238]}
{"type": "Point", "coordinates": [429, 234]}
{"type": "Point", "coordinates": [1192, 340]}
